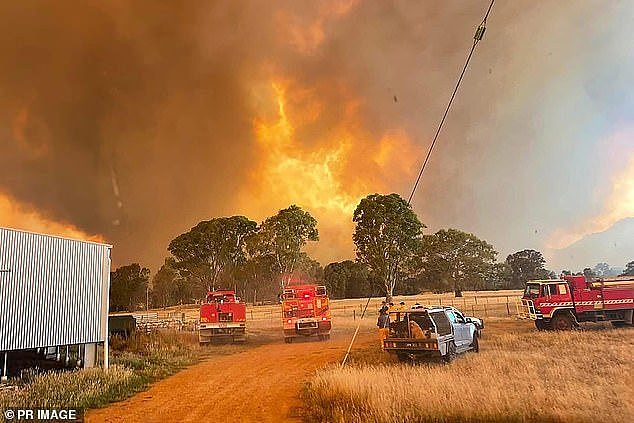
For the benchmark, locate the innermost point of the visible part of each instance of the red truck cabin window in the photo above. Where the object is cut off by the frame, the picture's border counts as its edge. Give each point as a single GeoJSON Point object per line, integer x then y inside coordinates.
{"type": "Point", "coordinates": [532, 290]}
{"type": "Point", "coordinates": [548, 290]}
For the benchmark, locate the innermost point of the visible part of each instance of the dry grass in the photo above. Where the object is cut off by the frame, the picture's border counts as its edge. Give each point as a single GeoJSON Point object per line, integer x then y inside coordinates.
{"type": "Point", "coordinates": [519, 375]}
{"type": "Point", "coordinates": [156, 355]}
{"type": "Point", "coordinates": [79, 390]}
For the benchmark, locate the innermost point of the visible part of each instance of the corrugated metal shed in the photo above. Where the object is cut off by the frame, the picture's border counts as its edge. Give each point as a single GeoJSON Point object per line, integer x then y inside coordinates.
{"type": "Point", "coordinates": [53, 291]}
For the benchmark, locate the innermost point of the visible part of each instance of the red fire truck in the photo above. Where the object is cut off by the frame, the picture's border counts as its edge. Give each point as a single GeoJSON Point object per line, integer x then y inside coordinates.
{"type": "Point", "coordinates": [563, 304]}
{"type": "Point", "coordinates": [222, 316]}
{"type": "Point", "coordinates": [305, 312]}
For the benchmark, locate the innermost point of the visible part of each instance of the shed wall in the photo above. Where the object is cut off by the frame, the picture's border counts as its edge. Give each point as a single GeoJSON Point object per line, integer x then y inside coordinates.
{"type": "Point", "coordinates": [53, 291]}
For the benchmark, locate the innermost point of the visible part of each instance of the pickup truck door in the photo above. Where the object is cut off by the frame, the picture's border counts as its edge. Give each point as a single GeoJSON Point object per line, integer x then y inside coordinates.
{"type": "Point", "coordinates": [460, 330]}
{"type": "Point", "coordinates": [468, 328]}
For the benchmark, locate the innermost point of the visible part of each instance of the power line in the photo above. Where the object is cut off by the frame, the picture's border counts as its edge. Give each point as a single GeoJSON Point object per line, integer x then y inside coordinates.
{"type": "Point", "coordinates": [476, 39]}
{"type": "Point", "coordinates": [343, 362]}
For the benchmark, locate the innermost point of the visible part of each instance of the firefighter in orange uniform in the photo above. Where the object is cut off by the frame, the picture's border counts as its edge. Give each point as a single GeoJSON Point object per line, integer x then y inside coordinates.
{"type": "Point", "coordinates": [384, 326]}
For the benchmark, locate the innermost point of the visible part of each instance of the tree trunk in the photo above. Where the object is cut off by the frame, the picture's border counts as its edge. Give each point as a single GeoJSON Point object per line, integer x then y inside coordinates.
{"type": "Point", "coordinates": [389, 291]}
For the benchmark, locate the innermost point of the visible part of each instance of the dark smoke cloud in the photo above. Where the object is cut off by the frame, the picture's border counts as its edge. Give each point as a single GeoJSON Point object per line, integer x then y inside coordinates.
{"type": "Point", "coordinates": [144, 90]}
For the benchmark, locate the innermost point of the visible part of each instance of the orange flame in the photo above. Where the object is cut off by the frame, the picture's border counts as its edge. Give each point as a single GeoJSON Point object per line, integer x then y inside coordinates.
{"type": "Point", "coordinates": [18, 216]}
{"type": "Point", "coordinates": [328, 174]}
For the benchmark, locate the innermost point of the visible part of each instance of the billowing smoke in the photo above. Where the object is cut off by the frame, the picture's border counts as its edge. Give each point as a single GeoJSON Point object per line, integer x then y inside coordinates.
{"type": "Point", "coordinates": [135, 120]}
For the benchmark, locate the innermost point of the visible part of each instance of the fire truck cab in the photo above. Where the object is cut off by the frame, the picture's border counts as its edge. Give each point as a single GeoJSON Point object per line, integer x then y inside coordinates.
{"type": "Point", "coordinates": [305, 312]}
{"type": "Point", "coordinates": [222, 316]}
{"type": "Point", "coordinates": [564, 303]}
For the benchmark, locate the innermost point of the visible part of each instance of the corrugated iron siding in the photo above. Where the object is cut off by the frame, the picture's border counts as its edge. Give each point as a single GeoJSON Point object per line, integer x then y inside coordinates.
{"type": "Point", "coordinates": [55, 291]}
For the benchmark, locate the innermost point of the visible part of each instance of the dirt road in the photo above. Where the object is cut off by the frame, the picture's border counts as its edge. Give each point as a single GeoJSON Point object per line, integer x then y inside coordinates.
{"type": "Point", "coordinates": [260, 384]}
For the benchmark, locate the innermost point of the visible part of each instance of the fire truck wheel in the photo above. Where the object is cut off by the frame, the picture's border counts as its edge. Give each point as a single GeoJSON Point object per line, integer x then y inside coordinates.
{"type": "Point", "coordinates": [451, 352]}
{"type": "Point", "coordinates": [562, 321]}
{"type": "Point", "coordinates": [541, 325]}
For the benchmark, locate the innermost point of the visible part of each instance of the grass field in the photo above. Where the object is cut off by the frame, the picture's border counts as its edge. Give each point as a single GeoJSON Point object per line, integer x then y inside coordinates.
{"type": "Point", "coordinates": [519, 375]}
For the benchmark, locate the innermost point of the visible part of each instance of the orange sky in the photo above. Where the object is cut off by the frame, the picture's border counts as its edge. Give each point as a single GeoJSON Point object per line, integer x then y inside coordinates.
{"type": "Point", "coordinates": [136, 120]}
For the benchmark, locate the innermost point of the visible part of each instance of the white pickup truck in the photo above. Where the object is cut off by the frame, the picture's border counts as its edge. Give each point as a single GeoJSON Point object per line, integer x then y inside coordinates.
{"type": "Point", "coordinates": [432, 332]}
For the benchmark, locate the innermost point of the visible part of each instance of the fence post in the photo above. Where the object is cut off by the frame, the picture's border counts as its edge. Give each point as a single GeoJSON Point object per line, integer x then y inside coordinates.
{"type": "Point", "coordinates": [354, 314]}
{"type": "Point", "coordinates": [251, 314]}
{"type": "Point", "coordinates": [485, 311]}
{"type": "Point", "coordinates": [476, 299]}
{"type": "Point", "coordinates": [508, 311]}
{"type": "Point", "coordinates": [472, 309]}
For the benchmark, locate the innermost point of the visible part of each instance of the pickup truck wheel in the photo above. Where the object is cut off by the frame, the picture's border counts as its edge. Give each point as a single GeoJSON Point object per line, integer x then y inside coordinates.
{"type": "Point", "coordinates": [288, 340]}
{"type": "Point", "coordinates": [562, 322]}
{"type": "Point", "coordinates": [475, 345]}
{"type": "Point", "coordinates": [451, 352]}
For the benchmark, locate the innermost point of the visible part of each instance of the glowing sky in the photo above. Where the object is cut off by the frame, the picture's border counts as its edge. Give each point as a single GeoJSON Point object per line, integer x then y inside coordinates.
{"type": "Point", "coordinates": [135, 120]}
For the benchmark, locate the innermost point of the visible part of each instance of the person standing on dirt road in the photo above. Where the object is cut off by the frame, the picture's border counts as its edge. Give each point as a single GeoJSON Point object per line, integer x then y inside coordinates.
{"type": "Point", "coordinates": [384, 326]}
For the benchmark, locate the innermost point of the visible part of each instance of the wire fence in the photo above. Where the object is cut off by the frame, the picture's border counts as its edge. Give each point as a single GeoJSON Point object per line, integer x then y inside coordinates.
{"type": "Point", "coordinates": [481, 304]}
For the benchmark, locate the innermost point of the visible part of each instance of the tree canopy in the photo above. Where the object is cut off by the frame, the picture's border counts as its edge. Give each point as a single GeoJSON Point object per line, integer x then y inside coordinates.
{"type": "Point", "coordinates": [170, 287]}
{"type": "Point", "coordinates": [629, 269]}
{"type": "Point", "coordinates": [234, 252]}
{"type": "Point", "coordinates": [282, 236]}
{"type": "Point", "coordinates": [128, 286]}
{"type": "Point", "coordinates": [458, 258]}
{"type": "Point", "coordinates": [212, 247]}
{"type": "Point", "coordinates": [387, 234]}
{"type": "Point", "coordinates": [349, 279]}
{"type": "Point", "coordinates": [526, 265]}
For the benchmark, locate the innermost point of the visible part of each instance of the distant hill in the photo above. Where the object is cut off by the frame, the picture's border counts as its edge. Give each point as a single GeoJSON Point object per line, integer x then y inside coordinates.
{"type": "Point", "coordinates": [614, 246]}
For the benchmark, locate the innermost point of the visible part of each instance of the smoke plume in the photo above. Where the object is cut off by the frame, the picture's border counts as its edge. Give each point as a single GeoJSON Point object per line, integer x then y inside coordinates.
{"type": "Point", "coordinates": [137, 119]}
